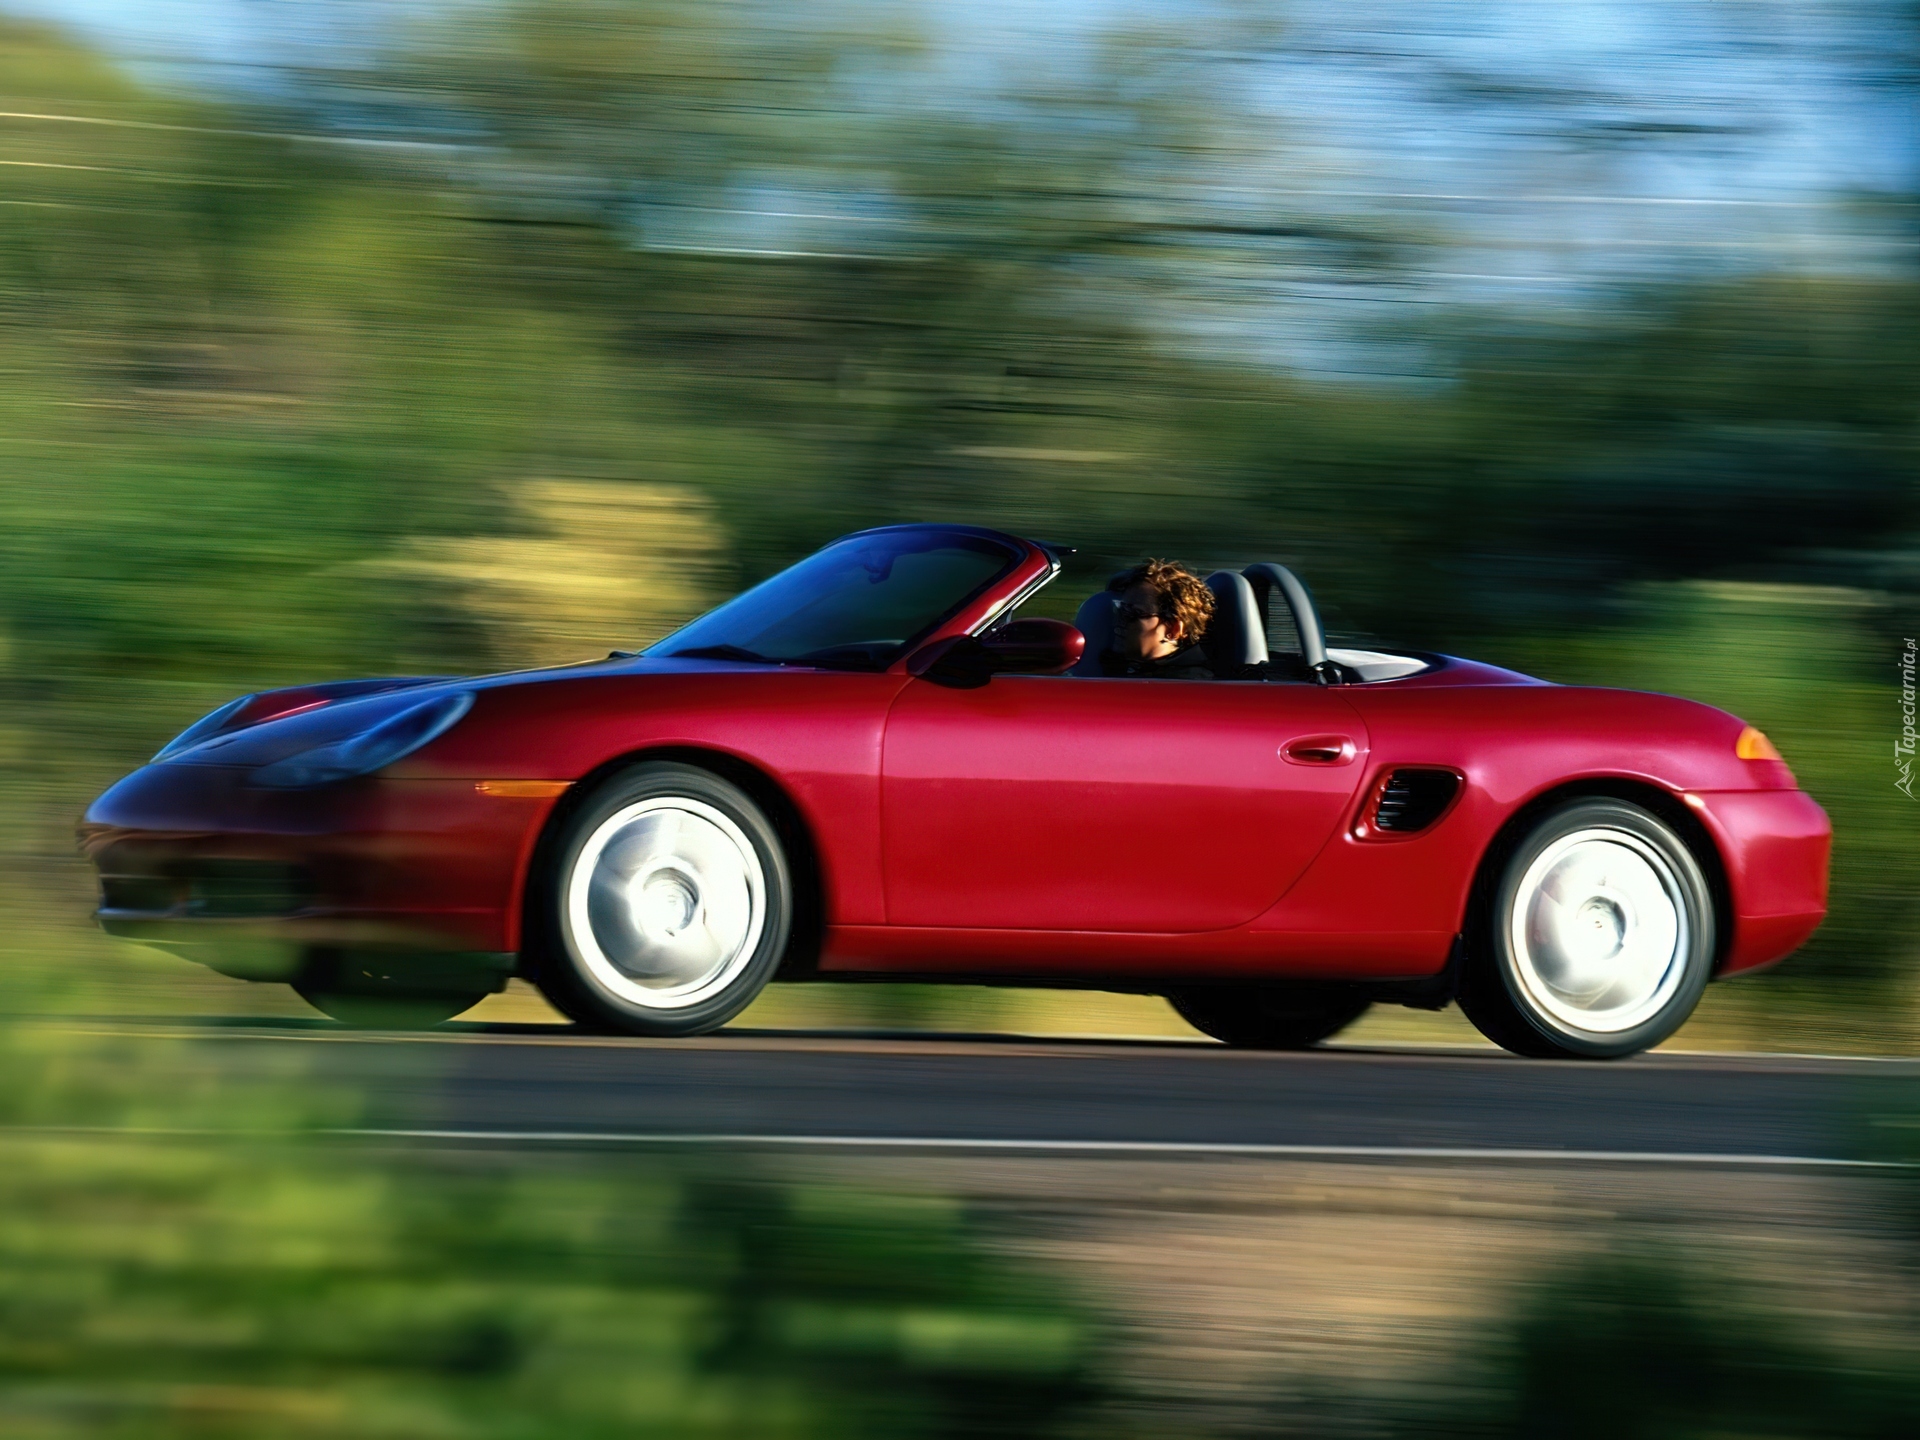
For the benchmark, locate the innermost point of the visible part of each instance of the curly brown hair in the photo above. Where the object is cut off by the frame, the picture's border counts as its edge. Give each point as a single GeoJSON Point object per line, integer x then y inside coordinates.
{"type": "Point", "coordinates": [1179, 594]}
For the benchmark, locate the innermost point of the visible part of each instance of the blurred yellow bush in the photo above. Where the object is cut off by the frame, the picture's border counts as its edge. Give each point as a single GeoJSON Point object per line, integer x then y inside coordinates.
{"type": "Point", "coordinates": [608, 565]}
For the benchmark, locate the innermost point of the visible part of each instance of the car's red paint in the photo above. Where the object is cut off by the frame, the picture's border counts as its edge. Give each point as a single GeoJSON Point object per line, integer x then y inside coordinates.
{"type": "Point", "coordinates": [1053, 803]}
{"type": "Point", "coordinates": [1092, 830]}
{"type": "Point", "coordinates": [1774, 845]}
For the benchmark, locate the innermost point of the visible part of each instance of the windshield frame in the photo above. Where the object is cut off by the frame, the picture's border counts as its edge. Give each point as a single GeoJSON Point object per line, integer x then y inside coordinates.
{"type": "Point", "coordinates": [1012, 577]}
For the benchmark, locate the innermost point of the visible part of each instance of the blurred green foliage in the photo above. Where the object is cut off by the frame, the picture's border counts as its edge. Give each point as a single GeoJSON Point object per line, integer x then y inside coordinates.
{"type": "Point", "coordinates": [1644, 1344]}
{"type": "Point", "coordinates": [256, 1286]}
{"type": "Point", "coordinates": [259, 361]}
{"type": "Point", "coordinates": [250, 358]}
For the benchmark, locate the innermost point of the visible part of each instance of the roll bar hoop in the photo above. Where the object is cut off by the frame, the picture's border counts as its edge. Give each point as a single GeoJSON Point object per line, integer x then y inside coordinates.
{"type": "Point", "coordinates": [1264, 578]}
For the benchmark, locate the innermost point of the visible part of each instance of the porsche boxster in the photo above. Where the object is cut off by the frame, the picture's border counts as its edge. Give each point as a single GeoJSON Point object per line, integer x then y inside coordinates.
{"type": "Point", "coordinates": [874, 767]}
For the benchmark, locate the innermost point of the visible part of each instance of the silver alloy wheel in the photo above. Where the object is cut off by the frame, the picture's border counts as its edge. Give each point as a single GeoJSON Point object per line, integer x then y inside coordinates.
{"type": "Point", "coordinates": [1599, 930]}
{"type": "Point", "coordinates": [666, 902]}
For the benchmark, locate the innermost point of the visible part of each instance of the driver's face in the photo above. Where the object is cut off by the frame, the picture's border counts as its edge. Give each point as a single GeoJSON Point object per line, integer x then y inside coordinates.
{"type": "Point", "coordinates": [1139, 633]}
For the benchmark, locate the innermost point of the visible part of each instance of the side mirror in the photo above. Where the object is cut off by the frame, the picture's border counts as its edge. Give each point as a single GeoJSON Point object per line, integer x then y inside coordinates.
{"type": "Point", "coordinates": [1020, 647]}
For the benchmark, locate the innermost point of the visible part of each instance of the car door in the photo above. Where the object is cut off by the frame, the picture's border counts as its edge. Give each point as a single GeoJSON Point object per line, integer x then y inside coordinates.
{"type": "Point", "coordinates": [1144, 806]}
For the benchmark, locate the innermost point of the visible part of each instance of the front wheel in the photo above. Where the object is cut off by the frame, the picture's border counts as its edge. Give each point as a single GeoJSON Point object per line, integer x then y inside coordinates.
{"type": "Point", "coordinates": [664, 905]}
{"type": "Point", "coordinates": [1269, 1017]}
{"type": "Point", "coordinates": [1598, 938]}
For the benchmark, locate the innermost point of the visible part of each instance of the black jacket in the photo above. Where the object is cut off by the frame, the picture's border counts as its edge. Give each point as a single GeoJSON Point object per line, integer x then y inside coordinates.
{"type": "Point", "coordinates": [1188, 663]}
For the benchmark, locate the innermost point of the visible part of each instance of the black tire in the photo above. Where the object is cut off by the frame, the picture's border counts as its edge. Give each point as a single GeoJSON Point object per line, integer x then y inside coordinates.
{"type": "Point", "coordinates": [1269, 1017]}
{"type": "Point", "coordinates": [1519, 986]}
{"type": "Point", "coordinates": [593, 932]}
{"type": "Point", "coordinates": [389, 1010]}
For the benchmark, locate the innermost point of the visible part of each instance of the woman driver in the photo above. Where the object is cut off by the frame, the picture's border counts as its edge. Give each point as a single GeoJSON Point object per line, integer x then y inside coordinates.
{"type": "Point", "coordinates": [1163, 612]}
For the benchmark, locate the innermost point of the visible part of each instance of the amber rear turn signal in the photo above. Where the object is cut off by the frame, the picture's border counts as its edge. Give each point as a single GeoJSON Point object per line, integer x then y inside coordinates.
{"type": "Point", "coordinates": [1753, 745]}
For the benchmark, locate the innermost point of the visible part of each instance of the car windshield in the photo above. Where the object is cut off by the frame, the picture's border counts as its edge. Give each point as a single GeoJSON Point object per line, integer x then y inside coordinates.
{"type": "Point", "coordinates": [855, 605]}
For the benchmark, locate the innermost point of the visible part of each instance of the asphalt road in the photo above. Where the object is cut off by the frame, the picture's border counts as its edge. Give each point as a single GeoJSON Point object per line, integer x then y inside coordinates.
{"type": "Point", "coordinates": [547, 1086]}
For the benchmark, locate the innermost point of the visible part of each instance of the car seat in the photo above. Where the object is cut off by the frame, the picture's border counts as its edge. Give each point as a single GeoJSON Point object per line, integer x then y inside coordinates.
{"type": "Point", "coordinates": [1094, 619]}
{"type": "Point", "coordinates": [1236, 636]}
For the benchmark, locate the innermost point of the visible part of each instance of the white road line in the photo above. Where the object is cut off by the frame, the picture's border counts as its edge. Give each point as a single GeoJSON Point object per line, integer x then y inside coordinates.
{"type": "Point", "coordinates": [1124, 1147]}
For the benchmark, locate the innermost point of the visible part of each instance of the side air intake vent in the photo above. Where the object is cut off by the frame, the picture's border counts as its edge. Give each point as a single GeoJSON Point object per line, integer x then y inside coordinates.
{"type": "Point", "coordinates": [1413, 799]}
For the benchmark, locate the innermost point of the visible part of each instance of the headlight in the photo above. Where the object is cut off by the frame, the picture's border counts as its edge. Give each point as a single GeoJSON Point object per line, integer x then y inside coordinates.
{"type": "Point", "coordinates": [203, 728]}
{"type": "Point", "coordinates": [370, 750]}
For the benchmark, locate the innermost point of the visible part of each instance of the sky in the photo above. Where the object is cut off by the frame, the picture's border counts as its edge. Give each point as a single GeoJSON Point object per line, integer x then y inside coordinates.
{"type": "Point", "coordinates": [1560, 146]}
{"type": "Point", "coordinates": [219, 34]}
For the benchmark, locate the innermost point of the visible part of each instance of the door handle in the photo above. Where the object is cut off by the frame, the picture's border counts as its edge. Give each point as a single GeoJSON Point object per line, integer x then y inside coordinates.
{"type": "Point", "coordinates": [1320, 750]}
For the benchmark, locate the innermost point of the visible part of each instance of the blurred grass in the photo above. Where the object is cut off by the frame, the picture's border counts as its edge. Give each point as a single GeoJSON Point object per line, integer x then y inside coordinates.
{"type": "Point", "coordinates": [258, 1286]}
{"type": "Point", "coordinates": [1635, 1340]}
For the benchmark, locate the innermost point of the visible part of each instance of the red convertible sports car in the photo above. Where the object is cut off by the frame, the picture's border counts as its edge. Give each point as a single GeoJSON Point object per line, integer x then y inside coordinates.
{"type": "Point", "coordinates": [870, 768]}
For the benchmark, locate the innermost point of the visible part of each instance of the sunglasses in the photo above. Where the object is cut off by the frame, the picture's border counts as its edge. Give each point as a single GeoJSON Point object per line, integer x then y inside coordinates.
{"type": "Point", "coordinates": [1135, 614]}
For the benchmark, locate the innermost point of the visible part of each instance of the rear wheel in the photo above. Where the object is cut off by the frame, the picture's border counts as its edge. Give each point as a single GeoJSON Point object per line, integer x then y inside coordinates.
{"type": "Point", "coordinates": [1269, 1017]}
{"type": "Point", "coordinates": [1597, 939]}
{"type": "Point", "coordinates": [664, 906]}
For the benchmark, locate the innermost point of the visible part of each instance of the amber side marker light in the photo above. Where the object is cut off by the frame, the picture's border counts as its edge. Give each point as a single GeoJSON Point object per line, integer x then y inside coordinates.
{"type": "Point", "coordinates": [523, 789]}
{"type": "Point", "coordinates": [1753, 745]}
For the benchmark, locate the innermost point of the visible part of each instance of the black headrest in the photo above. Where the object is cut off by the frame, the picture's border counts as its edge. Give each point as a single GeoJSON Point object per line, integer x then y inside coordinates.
{"type": "Point", "coordinates": [1237, 634]}
{"type": "Point", "coordinates": [1094, 620]}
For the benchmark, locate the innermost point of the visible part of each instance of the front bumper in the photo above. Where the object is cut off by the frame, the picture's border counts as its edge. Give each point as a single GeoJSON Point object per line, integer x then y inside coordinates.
{"type": "Point", "coordinates": [1775, 846]}
{"type": "Point", "coordinates": [194, 860]}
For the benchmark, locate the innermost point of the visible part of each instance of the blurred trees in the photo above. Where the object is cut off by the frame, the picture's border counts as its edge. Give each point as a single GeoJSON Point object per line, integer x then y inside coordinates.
{"type": "Point", "coordinates": [293, 391]}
